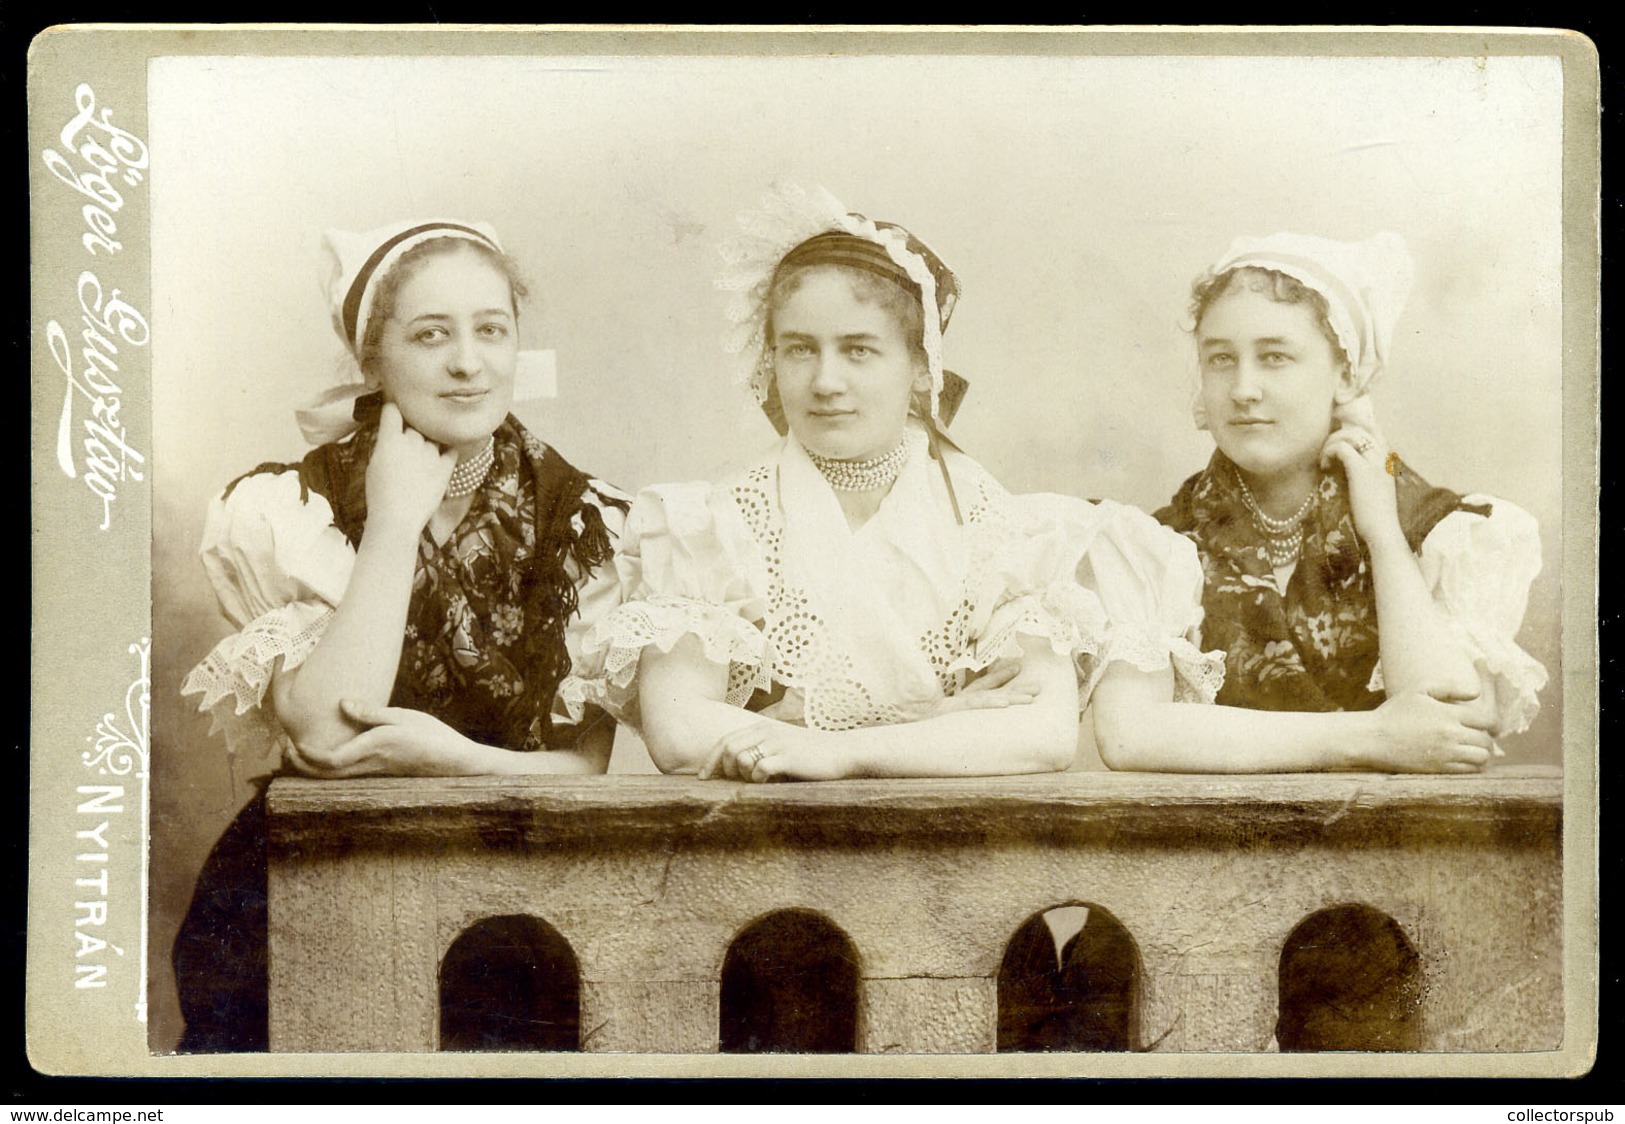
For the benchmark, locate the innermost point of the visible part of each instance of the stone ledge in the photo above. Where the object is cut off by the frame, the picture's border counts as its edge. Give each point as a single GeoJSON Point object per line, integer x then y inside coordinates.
{"type": "Point", "coordinates": [1506, 807]}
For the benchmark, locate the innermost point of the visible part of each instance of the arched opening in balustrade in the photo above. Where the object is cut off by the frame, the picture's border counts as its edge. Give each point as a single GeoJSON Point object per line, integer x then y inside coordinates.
{"type": "Point", "coordinates": [1070, 980]}
{"type": "Point", "coordinates": [510, 983]}
{"type": "Point", "coordinates": [790, 985]}
{"type": "Point", "coordinates": [1349, 980]}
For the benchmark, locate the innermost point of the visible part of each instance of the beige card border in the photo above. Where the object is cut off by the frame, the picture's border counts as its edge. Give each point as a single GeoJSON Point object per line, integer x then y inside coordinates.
{"type": "Point", "coordinates": [92, 604]}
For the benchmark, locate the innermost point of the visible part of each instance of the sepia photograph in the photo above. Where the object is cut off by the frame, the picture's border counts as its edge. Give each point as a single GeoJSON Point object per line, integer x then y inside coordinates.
{"type": "Point", "coordinates": [816, 549]}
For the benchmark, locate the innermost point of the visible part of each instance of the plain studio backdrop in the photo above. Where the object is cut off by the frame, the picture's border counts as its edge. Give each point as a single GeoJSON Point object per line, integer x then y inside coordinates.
{"type": "Point", "coordinates": [1076, 198]}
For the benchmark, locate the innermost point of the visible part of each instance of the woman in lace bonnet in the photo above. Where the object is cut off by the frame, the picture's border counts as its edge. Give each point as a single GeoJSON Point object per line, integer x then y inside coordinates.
{"type": "Point", "coordinates": [411, 595]}
{"type": "Point", "coordinates": [1371, 613]}
{"type": "Point", "coordinates": [866, 600]}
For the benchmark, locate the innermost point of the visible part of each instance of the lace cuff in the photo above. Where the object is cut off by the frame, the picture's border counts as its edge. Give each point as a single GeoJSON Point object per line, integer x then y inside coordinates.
{"type": "Point", "coordinates": [1102, 582]}
{"type": "Point", "coordinates": [241, 666]}
{"type": "Point", "coordinates": [1514, 675]}
{"type": "Point", "coordinates": [1064, 613]}
{"type": "Point", "coordinates": [1479, 570]}
{"type": "Point", "coordinates": [619, 639]}
{"type": "Point", "coordinates": [574, 694]}
{"type": "Point", "coordinates": [1198, 675]}
{"type": "Point", "coordinates": [1517, 678]}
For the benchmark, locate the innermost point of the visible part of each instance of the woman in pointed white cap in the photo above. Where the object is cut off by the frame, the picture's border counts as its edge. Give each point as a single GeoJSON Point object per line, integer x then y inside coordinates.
{"type": "Point", "coordinates": [1372, 614]}
{"type": "Point", "coordinates": [867, 600]}
{"type": "Point", "coordinates": [409, 597]}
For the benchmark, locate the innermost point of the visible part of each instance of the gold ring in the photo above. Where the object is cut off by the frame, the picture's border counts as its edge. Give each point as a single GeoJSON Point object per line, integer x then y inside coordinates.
{"type": "Point", "coordinates": [1394, 466]}
{"type": "Point", "coordinates": [753, 756]}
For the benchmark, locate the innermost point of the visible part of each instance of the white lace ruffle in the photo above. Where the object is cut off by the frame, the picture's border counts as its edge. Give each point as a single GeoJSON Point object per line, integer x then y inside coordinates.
{"type": "Point", "coordinates": [241, 666]}
{"type": "Point", "coordinates": [1514, 675]}
{"type": "Point", "coordinates": [576, 693]}
{"type": "Point", "coordinates": [1143, 603]}
{"type": "Point", "coordinates": [1065, 614]}
{"type": "Point", "coordinates": [1518, 678]}
{"type": "Point", "coordinates": [725, 638]}
{"type": "Point", "coordinates": [1070, 618]}
{"type": "Point", "coordinates": [1198, 675]}
{"type": "Point", "coordinates": [1479, 570]}
{"type": "Point", "coordinates": [708, 562]}
{"type": "Point", "coordinates": [787, 216]}
{"type": "Point", "coordinates": [1024, 553]}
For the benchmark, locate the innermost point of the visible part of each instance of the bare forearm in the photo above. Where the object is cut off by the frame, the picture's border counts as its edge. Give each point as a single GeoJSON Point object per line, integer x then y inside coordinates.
{"type": "Point", "coordinates": [575, 761]}
{"type": "Point", "coordinates": [1419, 651]}
{"type": "Point", "coordinates": [1191, 738]}
{"type": "Point", "coordinates": [360, 650]}
{"type": "Point", "coordinates": [680, 730]}
{"type": "Point", "coordinates": [1026, 739]}
{"type": "Point", "coordinates": [685, 721]}
{"type": "Point", "coordinates": [588, 756]}
{"type": "Point", "coordinates": [1040, 737]}
{"type": "Point", "coordinates": [1136, 727]}
{"type": "Point", "coordinates": [403, 742]}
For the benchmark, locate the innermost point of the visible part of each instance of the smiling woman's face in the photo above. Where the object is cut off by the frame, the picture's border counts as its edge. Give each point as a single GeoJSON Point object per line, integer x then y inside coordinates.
{"type": "Point", "coordinates": [1270, 379]}
{"type": "Point", "coordinates": [844, 368]}
{"type": "Point", "coordinates": [447, 352]}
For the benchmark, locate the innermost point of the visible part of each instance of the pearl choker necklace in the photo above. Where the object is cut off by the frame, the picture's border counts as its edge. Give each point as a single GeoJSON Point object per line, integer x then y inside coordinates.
{"type": "Point", "coordinates": [1283, 538]}
{"type": "Point", "coordinates": [470, 474]}
{"type": "Point", "coordinates": [862, 476]}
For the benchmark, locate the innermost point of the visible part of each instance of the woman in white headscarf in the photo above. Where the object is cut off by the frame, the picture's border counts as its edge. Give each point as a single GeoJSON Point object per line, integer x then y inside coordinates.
{"type": "Point", "coordinates": [410, 597]}
{"type": "Point", "coordinates": [1371, 612]}
{"type": "Point", "coordinates": [866, 600]}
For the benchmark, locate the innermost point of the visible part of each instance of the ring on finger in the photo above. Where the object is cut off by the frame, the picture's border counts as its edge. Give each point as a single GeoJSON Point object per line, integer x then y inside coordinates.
{"type": "Point", "coordinates": [1363, 445]}
{"type": "Point", "coordinates": [752, 757]}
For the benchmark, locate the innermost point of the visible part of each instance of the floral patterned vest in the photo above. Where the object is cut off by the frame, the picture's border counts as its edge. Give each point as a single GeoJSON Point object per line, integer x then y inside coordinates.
{"type": "Point", "coordinates": [1316, 647]}
{"type": "Point", "coordinates": [484, 649]}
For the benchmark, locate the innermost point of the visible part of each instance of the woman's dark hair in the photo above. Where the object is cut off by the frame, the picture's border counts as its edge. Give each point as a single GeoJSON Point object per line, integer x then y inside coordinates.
{"type": "Point", "coordinates": [383, 299]}
{"type": "Point", "coordinates": [1273, 284]}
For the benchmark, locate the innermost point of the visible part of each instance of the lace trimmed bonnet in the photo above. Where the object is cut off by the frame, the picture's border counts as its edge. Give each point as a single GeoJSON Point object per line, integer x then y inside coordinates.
{"type": "Point", "coordinates": [794, 226]}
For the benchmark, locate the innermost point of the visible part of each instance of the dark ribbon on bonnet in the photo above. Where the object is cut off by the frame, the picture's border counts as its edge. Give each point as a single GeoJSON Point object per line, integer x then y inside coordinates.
{"type": "Point", "coordinates": [837, 247]}
{"type": "Point", "coordinates": [351, 310]}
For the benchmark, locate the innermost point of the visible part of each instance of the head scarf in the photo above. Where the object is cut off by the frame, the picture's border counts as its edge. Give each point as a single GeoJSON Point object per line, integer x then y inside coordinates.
{"type": "Point", "coordinates": [795, 227]}
{"type": "Point", "coordinates": [1365, 285]}
{"type": "Point", "coordinates": [352, 267]}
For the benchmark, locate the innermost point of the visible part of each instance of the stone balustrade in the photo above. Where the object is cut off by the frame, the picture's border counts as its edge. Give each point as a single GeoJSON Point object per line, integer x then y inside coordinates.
{"type": "Point", "coordinates": [649, 880]}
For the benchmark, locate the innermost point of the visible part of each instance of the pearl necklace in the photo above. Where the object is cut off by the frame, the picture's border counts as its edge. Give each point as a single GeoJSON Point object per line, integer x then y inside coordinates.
{"type": "Point", "coordinates": [862, 476]}
{"type": "Point", "coordinates": [1283, 538]}
{"type": "Point", "coordinates": [467, 477]}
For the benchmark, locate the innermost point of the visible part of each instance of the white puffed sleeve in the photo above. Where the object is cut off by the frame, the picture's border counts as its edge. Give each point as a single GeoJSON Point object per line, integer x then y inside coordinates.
{"type": "Point", "coordinates": [1149, 579]}
{"type": "Point", "coordinates": [1100, 581]}
{"type": "Point", "coordinates": [279, 568]}
{"type": "Point", "coordinates": [686, 566]}
{"type": "Point", "coordinates": [1023, 559]}
{"type": "Point", "coordinates": [1479, 569]}
{"type": "Point", "coordinates": [597, 596]}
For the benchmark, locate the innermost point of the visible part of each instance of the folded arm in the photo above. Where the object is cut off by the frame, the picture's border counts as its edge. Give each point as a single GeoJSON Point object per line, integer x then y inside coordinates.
{"type": "Point", "coordinates": [1137, 727]}
{"type": "Point", "coordinates": [1420, 652]}
{"type": "Point", "coordinates": [399, 742]}
{"type": "Point", "coordinates": [1028, 727]}
{"type": "Point", "coordinates": [360, 650]}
